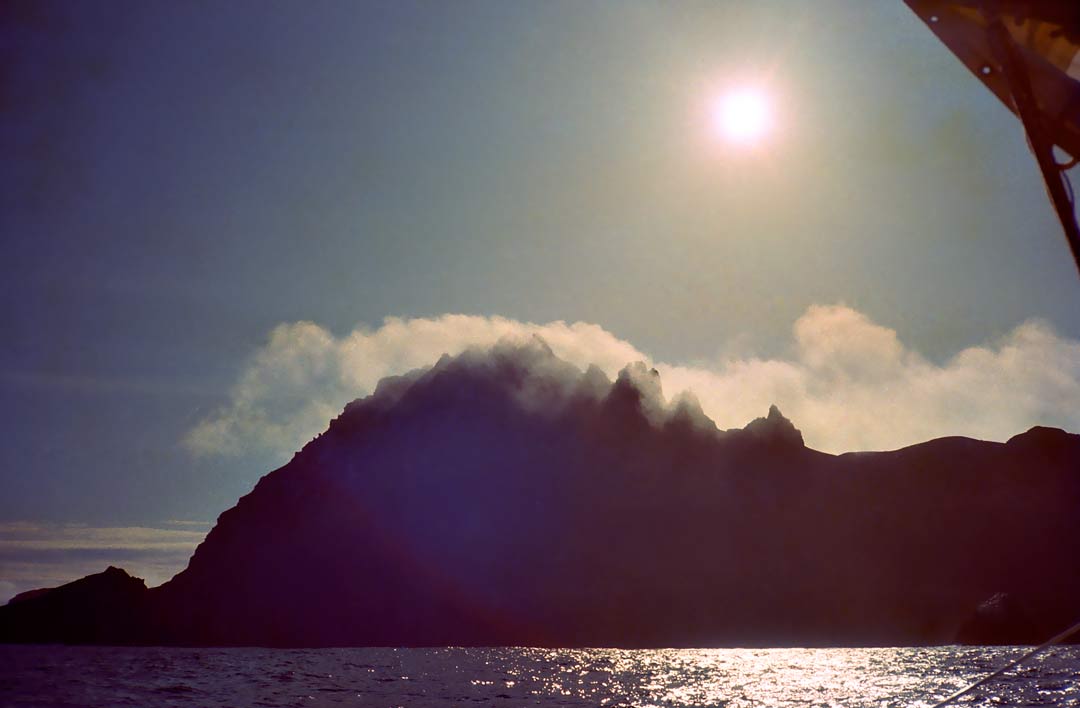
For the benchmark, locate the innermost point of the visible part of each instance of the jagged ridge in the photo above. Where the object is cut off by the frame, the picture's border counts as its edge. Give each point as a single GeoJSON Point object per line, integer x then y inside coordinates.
{"type": "Point", "coordinates": [505, 497]}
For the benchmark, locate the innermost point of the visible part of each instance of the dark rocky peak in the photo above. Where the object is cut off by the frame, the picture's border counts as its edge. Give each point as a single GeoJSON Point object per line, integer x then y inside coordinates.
{"type": "Point", "coordinates": [1042, 436]}
{"type": "Point", "coordinates": [525, 371]}
{"type": "Point", "coordinates": [112, 579]}
{"type": "Point", "coordinates": [518, 376]}
{"type": "Point", "coordinates": [1049, 445]}
{"type": "Point", "coordinates": [103, 608]}
{"type": "Point", "coordinates": [686, 413]}
{"type": "Point", "coordinates": [775, 428]}
{"type": "Point", "coordinates": [636, 398]}
{"type": "Point", "coordinates": [642, 379]}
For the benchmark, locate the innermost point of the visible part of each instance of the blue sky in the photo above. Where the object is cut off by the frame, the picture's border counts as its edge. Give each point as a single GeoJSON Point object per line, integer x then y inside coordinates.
{"type": "Point", "coordinates": [180, 179]}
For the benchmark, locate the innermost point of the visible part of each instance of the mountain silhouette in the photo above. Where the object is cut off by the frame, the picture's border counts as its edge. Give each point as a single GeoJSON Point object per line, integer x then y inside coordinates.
{"type": "Point", "coordinates": [504, 497]}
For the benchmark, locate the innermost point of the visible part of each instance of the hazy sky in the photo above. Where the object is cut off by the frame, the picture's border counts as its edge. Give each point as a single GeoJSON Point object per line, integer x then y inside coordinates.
{"type": "Point", "coordinates": [178, 179]}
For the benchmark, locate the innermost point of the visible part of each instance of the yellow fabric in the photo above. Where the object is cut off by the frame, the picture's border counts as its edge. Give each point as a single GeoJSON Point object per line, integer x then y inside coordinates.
{"type": "Point", "coordinates": [1048, 35]}
{"type": "Point", "coordinates": [1046, 38]}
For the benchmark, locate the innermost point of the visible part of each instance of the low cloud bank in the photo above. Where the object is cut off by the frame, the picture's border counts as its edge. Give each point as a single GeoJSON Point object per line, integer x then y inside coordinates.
{"type": "Point", "coordinates": [36, 555]}
{"type": "Point", "coordinates": [847, 383]}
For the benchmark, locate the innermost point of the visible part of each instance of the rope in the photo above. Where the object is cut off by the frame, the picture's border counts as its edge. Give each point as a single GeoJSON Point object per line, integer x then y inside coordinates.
{"type": "Point", "coordinates": [1011, 665]}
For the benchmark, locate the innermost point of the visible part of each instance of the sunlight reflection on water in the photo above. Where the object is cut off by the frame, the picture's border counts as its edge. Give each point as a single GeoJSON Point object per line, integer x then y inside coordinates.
{"type": "Point", "coordinates": [734, 678]}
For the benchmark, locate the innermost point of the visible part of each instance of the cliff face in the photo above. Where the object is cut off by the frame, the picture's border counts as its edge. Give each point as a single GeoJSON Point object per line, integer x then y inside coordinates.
{"type": "Point", "coordinates": [507, 498]}
{"type": "Point", "coordinates": [106, 608]}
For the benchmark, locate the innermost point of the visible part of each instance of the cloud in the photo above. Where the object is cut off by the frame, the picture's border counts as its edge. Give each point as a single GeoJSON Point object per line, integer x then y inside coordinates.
{"type": "Point", "coordinates": [34, 555]}
{"type": "Point", "coordinates": [34, 536]}
{"type": "Point", "coordinates": [847, 382]}
{"type": "Point", "coordinates": [304, 375]}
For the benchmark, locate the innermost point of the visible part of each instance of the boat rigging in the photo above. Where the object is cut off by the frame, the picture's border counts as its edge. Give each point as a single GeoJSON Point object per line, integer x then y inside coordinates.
{"type": "Point", "coordinates": [1027, 52]}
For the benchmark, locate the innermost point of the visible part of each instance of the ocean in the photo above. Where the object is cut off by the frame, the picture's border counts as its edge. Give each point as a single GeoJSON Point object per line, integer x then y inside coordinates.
{"type": "Point", "coordinates": [56, 676]}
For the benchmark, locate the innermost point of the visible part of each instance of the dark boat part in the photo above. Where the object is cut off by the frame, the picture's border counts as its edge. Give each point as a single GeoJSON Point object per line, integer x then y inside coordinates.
{"type": "Point", "coordinates": [1027, 53]}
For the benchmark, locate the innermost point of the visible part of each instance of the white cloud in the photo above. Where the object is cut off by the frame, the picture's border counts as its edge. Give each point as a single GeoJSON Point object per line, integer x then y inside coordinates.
{"type": "Point", "coordinates": [22, 535]}
{"type": "Point", "coordinates": [848, 383]}
{"type": "Point", "coordinates": [304, 376]}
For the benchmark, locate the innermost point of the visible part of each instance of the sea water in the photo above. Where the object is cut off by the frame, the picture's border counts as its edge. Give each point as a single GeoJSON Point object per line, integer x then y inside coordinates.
{"type": "Point", "coordinates": [774, 678]}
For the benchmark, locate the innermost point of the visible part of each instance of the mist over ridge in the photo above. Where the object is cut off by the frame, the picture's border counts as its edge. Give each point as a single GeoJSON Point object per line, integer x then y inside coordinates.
{"type": "Point", "coordinates": [848, 382]}
{"type": "Point", "coordinates": [505, 496]}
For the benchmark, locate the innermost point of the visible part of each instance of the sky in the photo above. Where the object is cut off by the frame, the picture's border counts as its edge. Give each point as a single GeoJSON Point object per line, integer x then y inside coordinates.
{"type": "Point", "coordinates": [221, 222]}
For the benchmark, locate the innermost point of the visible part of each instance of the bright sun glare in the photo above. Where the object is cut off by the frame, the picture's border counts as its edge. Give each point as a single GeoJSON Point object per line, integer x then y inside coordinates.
{"type": "Point", "coordinates": [743, 115]}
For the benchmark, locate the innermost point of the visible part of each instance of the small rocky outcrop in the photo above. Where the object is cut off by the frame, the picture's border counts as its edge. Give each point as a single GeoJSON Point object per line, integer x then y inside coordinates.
{"type": "Point", "coordinates": [1002, 619]}
{"type": "Point", "coordinates": [105, 608]}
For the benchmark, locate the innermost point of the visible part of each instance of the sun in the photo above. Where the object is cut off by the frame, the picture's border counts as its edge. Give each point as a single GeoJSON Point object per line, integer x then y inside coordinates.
{"type": "Point", "coordinates": [744, 115]}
